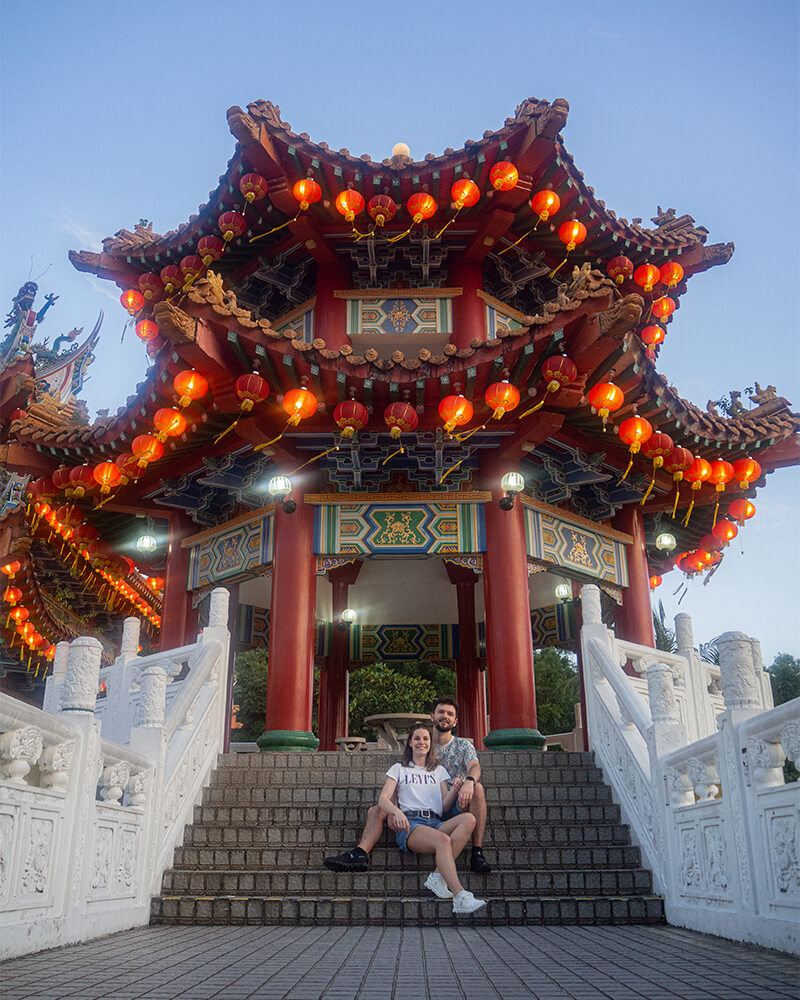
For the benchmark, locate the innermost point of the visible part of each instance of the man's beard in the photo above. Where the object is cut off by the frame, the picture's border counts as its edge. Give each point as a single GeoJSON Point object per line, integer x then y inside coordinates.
{"type": "Point", "coordinates": [443, 727]}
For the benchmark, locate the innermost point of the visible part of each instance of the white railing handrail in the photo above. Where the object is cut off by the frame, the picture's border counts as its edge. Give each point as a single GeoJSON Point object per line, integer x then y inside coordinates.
{"type": "Point", "coordinates": [705, 747]}
{"type": "Point", "coordinates": [650, 653]}
{"type": "Point", "coordinates": [770, 722]}
{"type": "Point", "coordinates": [620, 684]}
{"type": "Point", "coordinates": [210, 651]}
{"type": "Point", "coordinates": [153, 659]}
{"type": "Point", "coordinates": [15, 713]}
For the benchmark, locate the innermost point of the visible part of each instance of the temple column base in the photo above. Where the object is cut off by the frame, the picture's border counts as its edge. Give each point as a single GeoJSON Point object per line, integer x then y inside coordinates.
{"type": "Point", "coordinates": [287, 739]}
{"type": "Point", "coordinates": [514, 739]}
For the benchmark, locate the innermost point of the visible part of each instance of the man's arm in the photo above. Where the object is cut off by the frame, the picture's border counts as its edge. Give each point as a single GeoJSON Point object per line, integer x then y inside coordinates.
{"type": "Point", "coordinates": [468, 788]}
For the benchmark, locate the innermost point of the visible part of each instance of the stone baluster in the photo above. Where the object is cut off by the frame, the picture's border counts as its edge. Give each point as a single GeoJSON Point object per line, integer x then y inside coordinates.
{"type": "Point", "coordinates": [19, 750]}
{"type": "Point", "coordinates": [681, 792]}
{"type": "Point", "coordinates": [82, 675]}
{"type": "Point", "coordinates": [766, 762]}
{"type": "Point", "coordinates": [704, 777]}
{"type": "Point", "coordinates": [661, 693]}
{"type": "Point", "coordinates": [740, 683]}
{"type": "Point", "coordinates": [135, 794]}
{"type": "Point", "coordinates": [684, 634]}
{"type": "Point", "coordinates": [152, 698]}
{"type": "Point", "coordinates": [218, 608]}
{"type": "Point", "coordinates": [54, 765]}
{"type": "Point", "coordinates": [129, 647]}
{"type": "Point", "coordinates": [60, 660]}
{"type": "Point", "coordinates": [790, 741]}
{"type": "Point", "coordinates": [113, 781]}
{"type": "Point", "coordinates": [591, 610]}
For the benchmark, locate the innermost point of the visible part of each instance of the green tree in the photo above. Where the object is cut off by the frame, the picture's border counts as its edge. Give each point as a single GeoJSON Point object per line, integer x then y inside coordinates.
{"type": "Point", "coordinates": [784, 675]}
{"type": "Point", "coordinates": [557, 690]}
{"type": "Point", "coordinates": [665, 636]}
{"type": "Point", "coordinates": [376, 689]}
{"type": "Point", "coordinates": [443, 679]}
{"type": "Point", "coordinates": [250, 694]}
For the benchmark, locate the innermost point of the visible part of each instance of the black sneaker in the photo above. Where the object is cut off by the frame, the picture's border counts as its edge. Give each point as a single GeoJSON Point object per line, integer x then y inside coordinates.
{"type": "Point", "coordinates": [478, 862]}
{"type": "Point", "coordinates": [356, 860]}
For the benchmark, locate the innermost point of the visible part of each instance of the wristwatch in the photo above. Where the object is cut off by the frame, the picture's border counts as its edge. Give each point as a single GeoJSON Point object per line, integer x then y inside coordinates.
{"type": "Point", "coordinates": [469, 778]}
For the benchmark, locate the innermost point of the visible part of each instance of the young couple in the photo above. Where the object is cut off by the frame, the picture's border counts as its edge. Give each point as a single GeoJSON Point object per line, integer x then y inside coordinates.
{"type": "Point", "coordinates": [440, 804]}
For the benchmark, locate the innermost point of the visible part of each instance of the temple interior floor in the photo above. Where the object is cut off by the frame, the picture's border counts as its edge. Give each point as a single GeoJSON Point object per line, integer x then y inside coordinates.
{"type": "Point", "coordinates": [345, 963]}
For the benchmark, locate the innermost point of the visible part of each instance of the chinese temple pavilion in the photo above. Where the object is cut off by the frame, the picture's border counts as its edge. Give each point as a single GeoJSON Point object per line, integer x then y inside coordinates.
{"type": "Point", "coordinates": [426, 392]}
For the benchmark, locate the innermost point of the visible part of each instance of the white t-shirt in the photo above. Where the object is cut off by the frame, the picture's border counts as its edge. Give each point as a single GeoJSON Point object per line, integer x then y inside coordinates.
{"type": "Point", "coordinates": [418, 788]}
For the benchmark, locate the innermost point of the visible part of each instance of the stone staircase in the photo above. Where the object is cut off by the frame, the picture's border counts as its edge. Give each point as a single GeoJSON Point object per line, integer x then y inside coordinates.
{"type": "Point", "coordinates": [253, 855]}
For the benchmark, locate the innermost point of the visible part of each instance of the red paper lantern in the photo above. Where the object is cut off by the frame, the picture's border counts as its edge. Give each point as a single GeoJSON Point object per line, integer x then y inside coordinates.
{"type": "Point", "coordinates": [381, 209]}
{"type": "Point", "coordinates": [173, 278]}
{"type": "Point", "coordinates": [741, 510]}
{"type": "Point", "coordinates": [19, 614]}
{"type": "Point", "coordinates": [401, 418]}
{"type": "Point", "coordinates": [465, 193]}
{"type": "Point", "coordinates": [746, 471]}
{"type": "Point", "coordinates": [11, 568]}
{"type": "Point", "coordinates": [655, 581]}
{"type": "Point", "coordinates": [421, 206]}
{"type": "Point", "coordinates": [210, 248]}
{"type": "Point", "coordinates": [152, 287]}
{"type": "Point", "coordinates": [254, 187]}
{"type": "Point", "coordinates": [189, 385]}
{"type": "Point", "coordinates": [677, 463]}
{"type": "Point", "coordinates": [84, 533]}
{"type": "Point", "coordinates": [18, 414]}
{"type": "Point", "coordinates": [721, 474]}
{"type": "Point", "coordinates": [501, 397]}
{"type": "Point", "coordinates": [43, 488]}
{"type": "Point", "coordinates": [231, 225]}
{"type": "Point", "coordinates": [50, 652]}
{"type": "Point", "coordinates": [455, 410]}
{"type": "Point", "coordinates": [653, 335]}
{"type": "Point", "coordinates": [547, 203]}
{"type": "Point", "coordinates": [349, 203]}
{"type": "Point", "coordinates": [61, 479]}
{"type": "Point", "coordinates": [128, 466]}
{"type": "Point", "coordinates": [132, 300]}
{"type": "Point", "coordinates": [709, 543]}
{"type": "Point", "coordinates": [657, 447]}
{"type": "Point", "coordinates": [107, 475]}
{"type": "Point", "coordinates": [725, 531]}
{"type": "Point", "coordinates": [572, 233]}
{"type": "Point", "coordinates": [646, 275]}
{"type": "Point", "coordinates": [671, 274]}
{"type": "Point", "coordinates": [559, 370]}
{"type": "Point", "coordinates": [605, 398]}
{"type": "Point", "coordinates": [155, 582]}
{"type": "Point", "coordinates": [350, 416]}
{"type": "Point", "coordinates": [170, 423]}
{"type": "Point", "coordinates": [146, 329]}
{"type": "Point", "coordinates": [192, 268]}
{"type": "Point", "coordinates": [69, 515]}
{"type": "Point", "coordinates": [147, 449]}
{"type": "Point", "coordinates": [299, 404]}
{"type": "Point", "coordinates": [307, 192]}
{"type": "Point", "coordinates": [81, 480]}
{"type": "Point", "coordinates": [12, 595]}
{"type": "Point", "coordinates": [251, 389]}
{"type": "Point", "coordinates": [620, 268]}
{"type": "Point", "coordinates": [503, 176]}
{"type": "Point", "coordinates": [697, 473]}
{"type": "Point", "coordinates": [663, 308]}
{"type": "Point", "coordinates": [634, 431]}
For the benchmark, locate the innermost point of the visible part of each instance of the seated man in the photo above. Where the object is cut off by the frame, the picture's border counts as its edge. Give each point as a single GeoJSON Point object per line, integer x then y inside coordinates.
{"type": "Point", "coordinates": [458, 757]}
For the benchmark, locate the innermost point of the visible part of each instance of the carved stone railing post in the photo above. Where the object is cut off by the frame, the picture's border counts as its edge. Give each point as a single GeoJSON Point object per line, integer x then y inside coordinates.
{"type": "Point", "coordinates": [82, 675]}
{"type": "Point", "coordinates": [790, 741]}
{"type": "Point", "coordinates": [704, 776]}
{"type": "Point", "coordinates": [130, 639]}
{"type": "Point", "coordinates": [766, 763]}
{"type": "Point", "coordinates": [60, 660]}
{"type": "Point", "coordinates": [740, 683]}
{"type": "Point", "coordinates": [684, 633]}
{"type": "Point", "coordinates": [152, 699]}
{"type": "Point", "coordinates": [661, 692]}
{"type": "Point", "coordinates": [591, 610]}
{"type": "Point", "coordinates": [218, 608]}
{"type": "Point", "coordinates": [681, 792]}
{"type": "Point", "coordinates": [19, 750]}
{"type": "Point", "coordinates": [54, 765]}
{"type": "Point", "coordinates": [113, 781]}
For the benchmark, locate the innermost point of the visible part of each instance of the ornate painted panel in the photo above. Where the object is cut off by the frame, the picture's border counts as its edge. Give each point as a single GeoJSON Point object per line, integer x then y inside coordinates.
{"type": "Point", "coordinates": [399, 315]}
{"type": "Point", "coordinates": [404, 642]}
{"type": "Point", "coordinates": [297, 325]}
{"type": "Point", "coordinates": [235, 552]}
{"type": "Point", "coordinates": [398, 529]}
{"type": "Point", "coordinates": [550, 626]}
{"type": "Point", "coordinates": [575, 547]}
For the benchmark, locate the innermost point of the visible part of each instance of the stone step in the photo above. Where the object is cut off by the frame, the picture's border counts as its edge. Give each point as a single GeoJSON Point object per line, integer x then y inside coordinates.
{"type": "Point", "coordinates": [367, 795]}
{"type": "Point", "coordinates": [389, 858]}
{"type": "Point", "coordinates": [332, 838]}
{"type": "Point", "coordinates": [414, 911]}
{"type": "Point", "coordinates": [512, 761]}
{"type": "Point", "coordinates": [354, 816]}
{"type": "Point", "coordinates": [611, 882]}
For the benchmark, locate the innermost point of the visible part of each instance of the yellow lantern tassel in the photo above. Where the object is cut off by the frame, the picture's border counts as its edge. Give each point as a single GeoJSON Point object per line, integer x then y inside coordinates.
{"type": "Point", "coordinates": [533, 409]}
{"type": "Point", "coordinates": [512, 245]}
{"type": "Point", "coordinates": [269, 232]}
{"type": "Point", "coordinates": [400, 451]}
{"type": "Point", "coordinates": [464, 435]}
{"type": "Point", "coordinates": [677, 497]}
{"type": "Point", "coordinates": [688, 513]}
{"type": "Point", "coordinates": [627, 470]}
{"type": "Point", "coordinates": [556, 269]}
{"type": "Point", "coordinates": [451, 469]}
{"type": "Point", "coordinates": [227, 430]}
{"type": "Point", "coordinates": [450, 223]}
{"type": "Point", "coordinates": [649, 489]}
{"type": "Point", "coordinates": [266, 444]}
{"type": "Point", "coordinates": [716, 511]}
{"type": "Point", "coordinates": [396, 239]}
{"type": "Point", "coordinates": [316, 458]}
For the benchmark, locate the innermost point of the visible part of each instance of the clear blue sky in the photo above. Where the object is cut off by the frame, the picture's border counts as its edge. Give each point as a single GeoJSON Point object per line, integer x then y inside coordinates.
{"type": "Point", "coordinates": [113, 112]}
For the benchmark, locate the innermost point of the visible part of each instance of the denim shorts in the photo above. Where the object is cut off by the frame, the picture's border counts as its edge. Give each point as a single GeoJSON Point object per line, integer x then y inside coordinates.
{"type": "Point", "coordinates": [454, 810]}
{"type": "Point", "coordinates": [415, 820]}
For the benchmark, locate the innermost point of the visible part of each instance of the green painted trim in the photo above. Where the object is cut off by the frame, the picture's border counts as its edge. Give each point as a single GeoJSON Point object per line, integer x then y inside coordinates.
{"type": "Point", "coordinates": [514, 739]}
{"type": "Point", "coordinates": [287, 739]}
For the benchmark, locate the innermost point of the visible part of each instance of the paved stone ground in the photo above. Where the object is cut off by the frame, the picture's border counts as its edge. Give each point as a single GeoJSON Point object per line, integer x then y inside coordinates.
{"type": "Point", "coordinates": [363, 963]}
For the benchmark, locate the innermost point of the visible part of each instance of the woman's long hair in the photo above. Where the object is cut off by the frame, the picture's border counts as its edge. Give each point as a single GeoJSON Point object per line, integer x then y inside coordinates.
{"type": "Point", "coordinates": [407, 760]}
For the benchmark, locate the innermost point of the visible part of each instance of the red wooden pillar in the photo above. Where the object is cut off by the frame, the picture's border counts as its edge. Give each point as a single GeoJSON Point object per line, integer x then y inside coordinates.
{"type": "Point", "coordinates": [469, 677]}
{"type": "Point", "coordinates": [634, 620]}
{"type": "Point", "coordinates": [330, 314]}
{"type": "Point", "coordinates": [290, 674]}
{"type": "Point", "coordinates": [509, 643]}
{"type": "Point", "coordinates": [178, 619]}
{"type": "Point", "coordinates": [469, 313]}
{"type": "Point", "coordinates": [333, 678]}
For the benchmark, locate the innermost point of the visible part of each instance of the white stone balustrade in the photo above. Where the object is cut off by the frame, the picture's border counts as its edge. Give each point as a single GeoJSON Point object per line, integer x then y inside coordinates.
{"type": "Point", "coordinates": [88, 823]}
{"type": "Point", "coordinates": [707, 801]}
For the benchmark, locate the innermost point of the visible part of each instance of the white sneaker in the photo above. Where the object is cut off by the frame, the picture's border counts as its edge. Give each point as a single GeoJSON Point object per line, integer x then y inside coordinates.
{"type": "Point", "coordinates": [465, 902]}
{"type": "Point", "coordinates": [438, 886]}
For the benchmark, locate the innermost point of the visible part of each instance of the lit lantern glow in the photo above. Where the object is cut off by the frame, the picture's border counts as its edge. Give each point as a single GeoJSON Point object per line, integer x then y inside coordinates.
{"type": "Point", "coordinates": [503, 176]}
{"type": "Point", "coordinates": [725, 531]}
{"type": "Point", "coordinates": [146, 329]}
{"type": "Point", "coordinates": [546, 203]}
{"type": "Point", "coordinates": [189, 385]}
{"type": "Point", "coordinates": [307, 193]}
{"type": "Point", "coordinates": [501, 397]}
{"type": "Point", "coordinates": [10, 569]}
{"type": "Point", "coordinates": [741, 510]}
{"type": "Point", "coordinates": [746, 471]}
{"type": "Point", "coordinates": [170, 423]}
{"type": "Point", "coordinates": [107, 476]}
{"type": "Point", "coordinates": [657, 447]}
{"type": "Point", "coordinates": [605, 398]}
{"type": "Point", "coordinates": [697, 473]}
{"type": "Point", "coordinates": [19, 614]}
{"type": "Point", "coordinates": [12, 595]}
{"type": "Point", "coordinates": [646, 275]}
{"type": "Point", "coordinates": [155, 582]}
{"type": "Point", "coordinates": [132, 301]}
{"type": "Point", "coordinates": [381, 209]}
{"type": "Point", "coordinates": [152, 287]}
{"type": "Point", "coordinates": [663, 308]}
{"type": "Point", "coordinates": [421, 206]}
{"type": "Point", "coordinates": [400, 418]}
{"type": "Point", "coordinates": [254, 187]}
{"type": "Point", "coordinates": [210, 248]}
{"type": "Point", "coordinates": [455, 410]}
{"type": "Point", "coordinates": [173, 278]}
{"type": "Point", "coordinates": [231, 225]}
{"type": "Point", "coordinates": [147, 449]}
{"type": "Point", "coordinates": [349, 203]}
{"type": "Point", "coordinates": [299, 404]}
{"type": "Point", "coordinates": [655, 581]}
{"type": "Point", "coordinates": [620, 268]}
{"type": "Point", "coordinates": [671, 274]}
{"type": "Point", "coordinates": [678, 462]}
{"type": "Point", "coordinates": [652, 336]}
{"type": "Point", "coordinates": [634, 431]}
{"type": "Point", "coordinates": [571, 233]}
{"type": "Point", "coordinates": [465, 193]}
{"type": "Point", "coordinates": [721, 475]}
{"type": "Point", "coordinates": [350, 416]}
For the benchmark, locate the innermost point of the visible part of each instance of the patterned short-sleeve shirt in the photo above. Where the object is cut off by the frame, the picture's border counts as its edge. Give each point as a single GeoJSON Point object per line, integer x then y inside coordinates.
{"type": "Point", "coordinates": [455, 755]}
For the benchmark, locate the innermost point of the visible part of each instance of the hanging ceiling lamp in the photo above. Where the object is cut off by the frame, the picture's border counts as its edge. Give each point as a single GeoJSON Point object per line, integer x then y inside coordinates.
{"type": "Point", "coordinates": [605, 398]}
{"type": "Point", "coordinates": [620, 268]}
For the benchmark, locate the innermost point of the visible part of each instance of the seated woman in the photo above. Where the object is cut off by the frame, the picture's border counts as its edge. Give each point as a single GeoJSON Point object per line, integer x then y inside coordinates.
{"type": "Point", "coordinates": [422, 797]}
